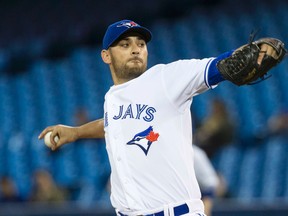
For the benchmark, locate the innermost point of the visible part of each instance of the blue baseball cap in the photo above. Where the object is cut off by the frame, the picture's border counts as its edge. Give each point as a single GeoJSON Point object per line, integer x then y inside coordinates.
{"type": "Point", "coordinates": [117, 29]}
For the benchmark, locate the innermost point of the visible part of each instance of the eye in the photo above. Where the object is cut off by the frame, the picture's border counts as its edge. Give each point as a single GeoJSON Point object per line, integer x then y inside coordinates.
{"type": "Point", "coordinates": [124, 45]}
{"type": "Point", "coordinates": [142, 44]}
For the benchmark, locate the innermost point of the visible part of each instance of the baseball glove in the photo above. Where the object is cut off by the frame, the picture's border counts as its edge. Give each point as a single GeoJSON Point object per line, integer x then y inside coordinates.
{"type": "Point", "coordinates": [242, 68]}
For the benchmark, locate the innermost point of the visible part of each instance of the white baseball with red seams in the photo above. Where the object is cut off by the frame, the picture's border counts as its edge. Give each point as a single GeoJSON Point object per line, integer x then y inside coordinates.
{"type": "Point", "coordinates": [47, 139]}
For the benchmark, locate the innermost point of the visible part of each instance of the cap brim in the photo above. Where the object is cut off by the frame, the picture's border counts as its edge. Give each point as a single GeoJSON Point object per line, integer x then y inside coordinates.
{"type": "Point", "coordinates": [147, 35]}
{"type": "Point", "coordinates": [144, 32]}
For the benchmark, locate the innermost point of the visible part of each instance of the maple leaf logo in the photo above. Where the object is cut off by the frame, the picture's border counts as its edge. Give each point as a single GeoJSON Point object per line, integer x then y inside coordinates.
{"type": "Point", "coordinates": [152, 137]}
{"type": "Point", "coordinates": [144, 139]}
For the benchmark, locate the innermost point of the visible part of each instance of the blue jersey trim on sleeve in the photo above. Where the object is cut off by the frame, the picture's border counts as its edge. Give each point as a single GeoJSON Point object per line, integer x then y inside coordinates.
{"type": "Point", "coordinates": [214, 76]}
{"type": "Point", "coordinates": [205, 73]}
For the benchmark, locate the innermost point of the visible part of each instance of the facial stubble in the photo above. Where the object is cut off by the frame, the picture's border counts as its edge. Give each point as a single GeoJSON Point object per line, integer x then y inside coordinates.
{"type": "Point", "coordinates": [126, 71]}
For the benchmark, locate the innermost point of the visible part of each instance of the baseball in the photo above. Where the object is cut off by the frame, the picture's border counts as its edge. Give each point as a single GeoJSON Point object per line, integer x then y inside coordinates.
{"type": "Point", "coordinates": [47, 139]}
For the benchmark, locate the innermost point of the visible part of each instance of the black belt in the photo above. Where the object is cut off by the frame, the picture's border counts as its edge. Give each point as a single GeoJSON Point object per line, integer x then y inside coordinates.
{"type": "Point", "coordinates": [178, 210]}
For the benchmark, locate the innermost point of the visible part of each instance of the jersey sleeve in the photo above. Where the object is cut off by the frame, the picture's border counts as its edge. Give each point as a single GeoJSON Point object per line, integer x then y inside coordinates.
{"type": "Point", "coordinates": [184, 79]}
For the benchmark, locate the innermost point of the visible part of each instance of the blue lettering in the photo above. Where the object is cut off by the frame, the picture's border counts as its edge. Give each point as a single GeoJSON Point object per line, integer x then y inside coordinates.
{"type": "Point", "coordinates": [106, 119]}
{"type": "Point", "coordinates": [120, 113]}
{"type": "Point", "coordinates": [149, 112]}
{"type": "Point", "coordinates": [140, 110]}
{"type": "Point", "coordinates": [139, 113]}
{"type": "Point", "coordinates": [128, 112]}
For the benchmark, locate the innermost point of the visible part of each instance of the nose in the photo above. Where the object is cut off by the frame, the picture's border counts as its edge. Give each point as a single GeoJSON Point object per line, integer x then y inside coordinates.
{"type": "Point", "coordinates": [135, 49]}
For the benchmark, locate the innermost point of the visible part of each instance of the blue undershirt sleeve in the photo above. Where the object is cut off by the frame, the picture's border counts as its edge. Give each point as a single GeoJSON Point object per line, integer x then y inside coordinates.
{"type": "Point", "coordinates": [214, 76]}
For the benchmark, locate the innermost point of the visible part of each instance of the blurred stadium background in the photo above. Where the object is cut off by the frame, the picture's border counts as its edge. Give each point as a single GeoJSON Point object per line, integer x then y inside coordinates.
{"type": "Point", "coordinates": [50, 68]}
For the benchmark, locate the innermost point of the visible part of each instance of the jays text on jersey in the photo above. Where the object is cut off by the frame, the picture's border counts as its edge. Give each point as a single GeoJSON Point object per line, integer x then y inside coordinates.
{"type": "Point", "coordinates": [148, 135]}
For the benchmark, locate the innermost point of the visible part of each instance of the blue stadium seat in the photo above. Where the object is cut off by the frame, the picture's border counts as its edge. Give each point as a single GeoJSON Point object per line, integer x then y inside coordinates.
{"type": "Point", "coordinates": [274, 173]}
{"type": "Point", "coordinates": [18, 163]}
{"type": "Point", "coordinates": [249, 182]}
{"type": "Point", "coordinates": [226, 161]}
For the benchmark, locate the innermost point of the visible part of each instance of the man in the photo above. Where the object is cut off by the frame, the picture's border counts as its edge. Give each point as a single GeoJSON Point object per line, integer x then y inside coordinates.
{"type": "Point", "coordinates": [147, 124]}
{"type": "Point", "coordinates": [207, 178]}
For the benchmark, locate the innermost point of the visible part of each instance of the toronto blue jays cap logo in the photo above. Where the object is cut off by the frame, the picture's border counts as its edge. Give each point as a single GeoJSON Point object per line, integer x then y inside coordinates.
{"type": "Point", "coordinates": [127, 24]}
{"type": "Point", "coordinates": [144, 139]}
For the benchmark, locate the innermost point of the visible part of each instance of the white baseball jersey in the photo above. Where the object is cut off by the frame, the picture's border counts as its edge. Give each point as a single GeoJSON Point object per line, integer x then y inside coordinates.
{"type": "Point", "coordinates": [148, 135]}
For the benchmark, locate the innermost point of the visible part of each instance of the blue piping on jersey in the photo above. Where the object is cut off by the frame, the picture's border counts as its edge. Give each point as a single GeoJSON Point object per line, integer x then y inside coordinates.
{"type": "Point", "coordinates": [214, 76]}
{"type": "Point", "coordinates": [205, 73]}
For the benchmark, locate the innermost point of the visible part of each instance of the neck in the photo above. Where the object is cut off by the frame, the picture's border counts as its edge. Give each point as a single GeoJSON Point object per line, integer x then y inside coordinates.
{"type": "Point", "coordinates": [120, 81]}
{"type": "Point", "coordinates": [117, 80]}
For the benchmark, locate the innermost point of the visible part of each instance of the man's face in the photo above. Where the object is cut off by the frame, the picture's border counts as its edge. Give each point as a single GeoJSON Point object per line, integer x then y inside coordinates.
{"type": "Point", "coordinates": [129, 57]}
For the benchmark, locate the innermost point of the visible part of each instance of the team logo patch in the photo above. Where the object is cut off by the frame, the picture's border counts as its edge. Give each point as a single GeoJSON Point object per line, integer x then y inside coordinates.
{"type": "Point", "coordinates": [127, 24]}
{"type": "Point", "coordinates": [144, 139]}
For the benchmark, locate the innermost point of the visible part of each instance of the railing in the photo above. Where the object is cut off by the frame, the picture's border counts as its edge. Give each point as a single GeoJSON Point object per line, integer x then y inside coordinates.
{"type": "Point", "coordinates": [223, 207]}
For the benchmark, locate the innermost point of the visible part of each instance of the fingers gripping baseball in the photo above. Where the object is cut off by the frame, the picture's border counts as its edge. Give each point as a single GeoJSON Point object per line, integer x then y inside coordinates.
{"type": "Point", "coordinates": [60, 135]}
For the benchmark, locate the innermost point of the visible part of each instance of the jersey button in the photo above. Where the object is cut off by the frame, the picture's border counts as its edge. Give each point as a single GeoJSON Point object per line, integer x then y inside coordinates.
{"type": "Point", "coordinates": [118, 158]}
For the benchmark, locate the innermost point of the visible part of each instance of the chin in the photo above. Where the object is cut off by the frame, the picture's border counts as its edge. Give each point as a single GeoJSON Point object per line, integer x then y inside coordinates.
{"type": "Point", "coordinates": [135, 75]}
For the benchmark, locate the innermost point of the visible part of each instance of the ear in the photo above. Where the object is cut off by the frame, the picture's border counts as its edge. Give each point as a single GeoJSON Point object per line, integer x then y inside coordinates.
{"type": "Point", "coordinates": [106, 56]}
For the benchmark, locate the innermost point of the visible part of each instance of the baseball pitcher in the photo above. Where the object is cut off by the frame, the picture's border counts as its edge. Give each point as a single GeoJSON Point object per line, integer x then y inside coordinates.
{"type": "Point", "coordinates": [147, 122]}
